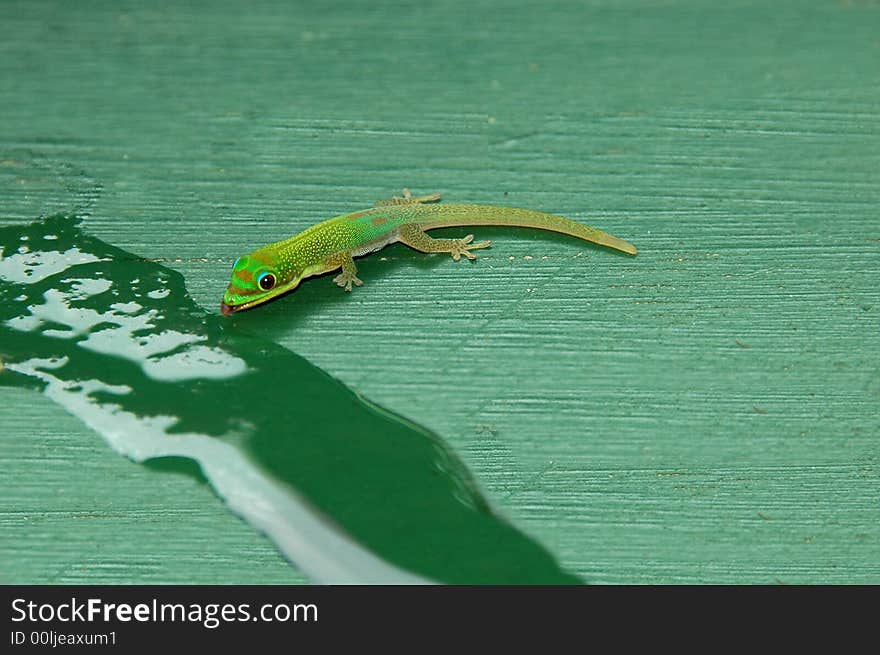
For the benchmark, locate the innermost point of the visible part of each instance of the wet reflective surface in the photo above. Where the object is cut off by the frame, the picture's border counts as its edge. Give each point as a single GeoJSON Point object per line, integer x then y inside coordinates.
{"type": "Point", "coordinates": [348, 491]}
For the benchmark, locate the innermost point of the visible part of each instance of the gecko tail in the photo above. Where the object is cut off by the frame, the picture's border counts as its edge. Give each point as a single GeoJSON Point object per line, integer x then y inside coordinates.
{"type": "Point", "coordinates": [460, 215]}
{"type": "Point", "coordinates": [605, 239]}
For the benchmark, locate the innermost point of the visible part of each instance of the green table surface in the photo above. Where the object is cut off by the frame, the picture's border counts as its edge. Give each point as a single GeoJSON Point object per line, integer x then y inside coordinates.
{"type": "Point", "coordinates": [708, 411]}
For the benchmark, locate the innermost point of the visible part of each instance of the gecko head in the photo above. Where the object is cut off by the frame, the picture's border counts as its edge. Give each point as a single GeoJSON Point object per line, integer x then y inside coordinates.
{"type": "Point", "coordinates": [256, 278]}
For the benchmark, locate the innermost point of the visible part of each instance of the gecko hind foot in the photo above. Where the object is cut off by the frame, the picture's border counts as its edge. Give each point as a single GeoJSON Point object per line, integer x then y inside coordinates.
{"type": "Point", "coordinates": [408, 199]}
{"type": "Point", "coordinates": [463, 247]}
{"type": "Point", "coordinates": [346, 279]}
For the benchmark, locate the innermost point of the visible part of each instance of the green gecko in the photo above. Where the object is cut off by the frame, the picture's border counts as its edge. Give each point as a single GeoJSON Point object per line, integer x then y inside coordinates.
{"type": "Point", "coordinates": [333, 244]}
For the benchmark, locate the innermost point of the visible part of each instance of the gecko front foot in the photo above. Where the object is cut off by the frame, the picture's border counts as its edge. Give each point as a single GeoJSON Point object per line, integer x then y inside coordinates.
{"type": "Point", "coordinates": [346, 278]}
{"type": "Point", "coordinates": [462, 247]}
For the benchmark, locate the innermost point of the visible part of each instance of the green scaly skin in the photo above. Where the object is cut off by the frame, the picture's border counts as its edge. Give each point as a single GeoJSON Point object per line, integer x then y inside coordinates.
{"type": "Point", "coordinates": [280, 267]}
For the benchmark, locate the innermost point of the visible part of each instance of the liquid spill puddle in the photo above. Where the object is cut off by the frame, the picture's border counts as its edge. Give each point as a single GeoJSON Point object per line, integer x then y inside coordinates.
{"type": "Point", "coordinates": [349, 492]}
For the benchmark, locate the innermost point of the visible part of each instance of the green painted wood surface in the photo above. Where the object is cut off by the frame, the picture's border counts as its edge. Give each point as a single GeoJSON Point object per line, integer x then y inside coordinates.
{"type": "Point", "coordinates": [705, 412]}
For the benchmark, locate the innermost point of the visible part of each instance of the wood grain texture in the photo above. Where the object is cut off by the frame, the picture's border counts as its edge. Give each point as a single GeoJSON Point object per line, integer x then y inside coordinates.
{"type": "Point", "coordinates": [705, 412]}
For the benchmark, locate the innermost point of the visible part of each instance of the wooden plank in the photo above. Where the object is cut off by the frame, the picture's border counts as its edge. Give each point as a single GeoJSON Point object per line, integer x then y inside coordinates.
{"type": "Point", "coordinates": [706, 411]}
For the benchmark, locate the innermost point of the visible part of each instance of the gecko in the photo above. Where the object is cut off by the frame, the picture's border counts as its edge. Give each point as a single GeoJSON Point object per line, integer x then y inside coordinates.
{"type": "Point", "coordinates": [333, 244]}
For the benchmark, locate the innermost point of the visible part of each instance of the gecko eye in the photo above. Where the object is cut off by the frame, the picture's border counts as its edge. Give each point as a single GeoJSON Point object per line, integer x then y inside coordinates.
{"type": "Point", "coordinates": [266, 281]}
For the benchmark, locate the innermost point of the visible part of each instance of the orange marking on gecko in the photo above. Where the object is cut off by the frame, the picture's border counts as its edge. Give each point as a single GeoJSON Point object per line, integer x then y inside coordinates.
{"type": "Point", "coordinates": [380, 220]}
{"type": "Point", "coordinates": [356, 215]}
